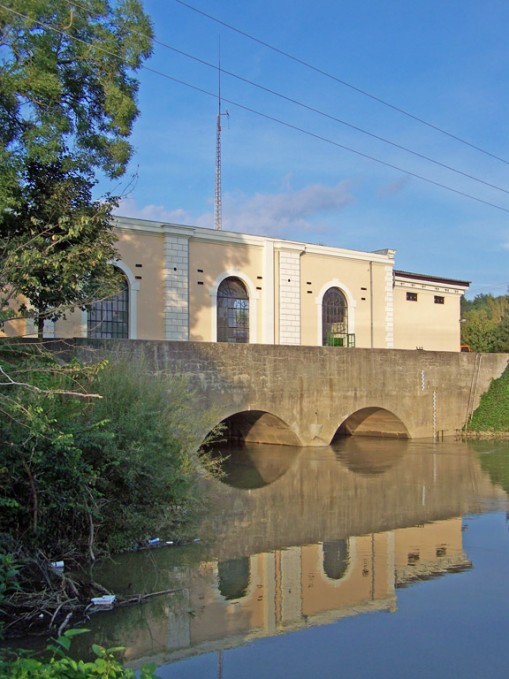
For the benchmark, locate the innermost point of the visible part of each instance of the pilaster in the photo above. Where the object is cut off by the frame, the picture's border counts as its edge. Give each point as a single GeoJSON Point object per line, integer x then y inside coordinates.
{"type": "Point", "coordinates": [389, 308]}
{"type": "Point", "coordinates": [176, 287]}
{"type": "Point", "coordinates": [289, 295]}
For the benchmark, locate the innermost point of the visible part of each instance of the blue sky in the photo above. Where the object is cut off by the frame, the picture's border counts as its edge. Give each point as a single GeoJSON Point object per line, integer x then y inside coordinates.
{"type": "Point", "coordinates": [446, 63]}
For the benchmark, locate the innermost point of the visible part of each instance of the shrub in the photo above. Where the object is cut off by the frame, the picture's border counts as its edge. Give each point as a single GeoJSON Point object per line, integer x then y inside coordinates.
{"type": "Point", "coordinates": [60, 665]}
{"type": "Point", "coordinates": [79, 474]}
{"type": "Point", "coordinates": [493, 411]}
{"type": "Point", "coordinates": [149, 465]}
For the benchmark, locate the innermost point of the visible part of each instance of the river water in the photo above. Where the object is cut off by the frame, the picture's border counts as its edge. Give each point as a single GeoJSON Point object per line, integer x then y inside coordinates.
{"type": "Point", "coordinates": [371, 558]}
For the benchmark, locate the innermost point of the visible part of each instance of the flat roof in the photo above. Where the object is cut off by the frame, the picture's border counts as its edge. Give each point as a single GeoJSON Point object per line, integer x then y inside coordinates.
{"type": "Point", "coordinates": [435, 279]}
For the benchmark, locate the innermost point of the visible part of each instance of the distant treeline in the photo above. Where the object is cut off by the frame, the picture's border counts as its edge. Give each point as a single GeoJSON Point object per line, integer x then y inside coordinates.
{"type": "Point", "coordinates": [485, 323]}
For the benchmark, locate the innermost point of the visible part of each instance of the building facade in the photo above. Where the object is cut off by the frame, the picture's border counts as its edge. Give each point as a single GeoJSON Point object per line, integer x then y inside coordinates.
{"type": "Point", "coordinates": [187, 283]}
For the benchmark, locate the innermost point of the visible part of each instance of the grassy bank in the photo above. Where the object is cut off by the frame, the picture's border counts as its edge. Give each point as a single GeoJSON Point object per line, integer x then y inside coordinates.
{"type": "Point", "coordinates": [492, 416]}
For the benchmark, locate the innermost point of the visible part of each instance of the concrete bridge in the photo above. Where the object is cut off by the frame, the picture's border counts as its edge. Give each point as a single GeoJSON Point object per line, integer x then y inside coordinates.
{"type": "Point", "coordinates": [307, 396]}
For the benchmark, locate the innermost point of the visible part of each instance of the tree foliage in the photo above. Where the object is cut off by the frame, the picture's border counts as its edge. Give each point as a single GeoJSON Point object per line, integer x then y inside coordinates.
{"type": "Point", "coordinates": [501, 342]}
{"type": "Point", "coordinates": [67, 83]}
{"type": "Point", "coordinates": [67, 106]}
{"type": "Point", "coordinates": [56, 247]}
{"type": "Point", "coordinates": [485, 323]}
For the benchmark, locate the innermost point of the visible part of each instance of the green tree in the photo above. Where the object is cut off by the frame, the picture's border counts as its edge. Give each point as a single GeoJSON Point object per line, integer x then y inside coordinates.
{"type": "Point", "coordinates": [482, 317]}
{"type": "Point", "coordinates": [57, 245]}
{"type": "Point", "coordinates": [67, 83]}
{"type": "Point", "coordinates": [478, 330]}
{"type": "Point", "coordinates": [501, 341]}
{"type": "Point", "coordinates": [67, 107]}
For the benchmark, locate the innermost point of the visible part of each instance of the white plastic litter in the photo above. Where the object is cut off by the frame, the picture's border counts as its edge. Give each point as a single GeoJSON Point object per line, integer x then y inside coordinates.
{"type": "Point", "coordinates": [106, 600]}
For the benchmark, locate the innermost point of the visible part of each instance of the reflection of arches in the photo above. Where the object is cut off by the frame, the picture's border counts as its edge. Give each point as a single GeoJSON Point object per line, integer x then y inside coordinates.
{"type": "Point", "coordinates": [234, 578]}
{"type": "Point", "coordinates": [336, 559]}
{"type": "Point", "coordinates": [373, 422]}
{"type": "Point", "coordinates": [369, 456]}
{"type": "Point", "coordinates": [334, 318]}
{"type": "Point", "coordinates": [349, 316]}
{"type": "Point", "coordinates": [109, 318]}
{"type": "Point", "coordinates": [258, 426]}
{"type": "Point", "coordinates": [255, 466]}
{"type": "Point", "coordinates": [232, 311]}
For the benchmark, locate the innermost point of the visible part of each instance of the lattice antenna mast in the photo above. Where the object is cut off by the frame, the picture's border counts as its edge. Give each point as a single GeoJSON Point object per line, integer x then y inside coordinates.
{"type": "Point", "coordinates": [218, 203]}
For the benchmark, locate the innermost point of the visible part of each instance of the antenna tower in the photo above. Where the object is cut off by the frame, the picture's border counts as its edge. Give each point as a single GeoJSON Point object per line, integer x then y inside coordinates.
{"type": "Point", "coordinates": [218, 203]}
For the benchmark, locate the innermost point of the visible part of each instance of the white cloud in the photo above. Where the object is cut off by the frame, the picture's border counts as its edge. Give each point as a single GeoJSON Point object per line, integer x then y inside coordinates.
{"type": "Point", "coordinates": [158, 213]}
{"type": "Point", "coordinates": [395, 188]}
{"type": "Point", "coordinates": [275, 214]}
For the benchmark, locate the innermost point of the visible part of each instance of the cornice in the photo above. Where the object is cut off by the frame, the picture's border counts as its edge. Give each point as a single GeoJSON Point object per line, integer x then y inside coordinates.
{"type": "Point", "coordinates": [235, 238]}
{"type": "Point", "coordinates": [424, 281]}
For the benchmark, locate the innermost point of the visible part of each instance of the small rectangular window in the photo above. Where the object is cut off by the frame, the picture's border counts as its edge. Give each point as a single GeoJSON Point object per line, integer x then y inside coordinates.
{"type": "Point", "coordinates": [439, 299]}
{"type": "Point", "coordinates": [411, 297]}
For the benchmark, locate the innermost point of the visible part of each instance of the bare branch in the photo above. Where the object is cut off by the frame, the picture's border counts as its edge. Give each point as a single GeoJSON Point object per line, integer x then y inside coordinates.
{"type": "Point", "coordinates": [61, 392]}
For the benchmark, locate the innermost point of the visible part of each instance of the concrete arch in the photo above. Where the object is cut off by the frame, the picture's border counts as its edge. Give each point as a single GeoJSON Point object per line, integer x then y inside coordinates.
{"type": "Point", "coordinates": [253, 302]}
{"type": "Point", "coordinates": [259, 426]}
{"type": "Point", "coordinates": [352, 304]}
{"type": "Point", "coordinates": [373, 421]}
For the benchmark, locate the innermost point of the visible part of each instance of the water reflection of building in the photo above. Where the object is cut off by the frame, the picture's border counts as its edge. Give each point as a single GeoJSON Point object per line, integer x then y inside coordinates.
{"type": "Point", "coordinates": [229, 602]}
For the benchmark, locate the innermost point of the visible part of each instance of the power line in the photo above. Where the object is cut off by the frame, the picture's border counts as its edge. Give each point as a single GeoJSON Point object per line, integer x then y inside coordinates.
{"type": "Point", "coordinates": [334, 118]}
{"type": "Point", "coordinates": [316, 110]}
{"type": "Point", "coordinates": [268, 117]}
{"type": "Point", "coordinates": [341, 82]}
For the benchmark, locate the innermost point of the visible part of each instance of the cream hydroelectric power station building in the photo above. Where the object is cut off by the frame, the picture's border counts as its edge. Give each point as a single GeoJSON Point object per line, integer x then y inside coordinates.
{"type": "Point", "coordinates": [186, 283]}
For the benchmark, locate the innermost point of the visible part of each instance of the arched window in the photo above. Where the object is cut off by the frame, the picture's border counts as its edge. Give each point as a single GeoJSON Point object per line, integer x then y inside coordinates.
{"type": "Point", "coordinates": [336, 558]}
{"type": "Point", "coordinates": [334, 318]}
{"type": "Point", "coordinates": [109, 318]}
{"type": "Point", "coordinates": [232, 311]}
{"type": "Point", "coordinates": [234, 576]}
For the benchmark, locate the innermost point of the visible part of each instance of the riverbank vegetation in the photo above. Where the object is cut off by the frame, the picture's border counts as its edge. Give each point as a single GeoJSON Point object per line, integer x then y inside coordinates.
{"type": "Point", "coordinates": [91, 459]}
{"type": "Point", "coordinates": [60, 665]}
{"type": "Point", "coordinates": [492, 415]}
{"type": "Point", "coordinates": [94, 459]}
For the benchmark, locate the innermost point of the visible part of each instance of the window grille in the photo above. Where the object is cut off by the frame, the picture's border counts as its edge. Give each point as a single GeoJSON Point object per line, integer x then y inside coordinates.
{"type": "Point", "coordinates": [334, 318]}
{"type": "Point", "coordinates": [232, 311]}
{"type": "Point", "coordinates": [109, 318]}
